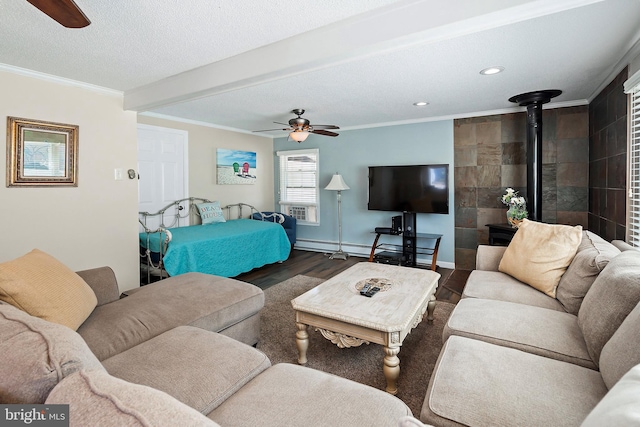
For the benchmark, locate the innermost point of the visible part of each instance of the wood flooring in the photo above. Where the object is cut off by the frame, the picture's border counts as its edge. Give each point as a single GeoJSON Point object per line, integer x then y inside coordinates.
{"type": "Point", "coordinates": [316, 264]}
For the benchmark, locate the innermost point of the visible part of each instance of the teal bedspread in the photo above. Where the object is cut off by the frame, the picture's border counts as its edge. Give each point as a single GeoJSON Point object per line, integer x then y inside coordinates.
{"type": "Point", "coordinates": [224, 249]}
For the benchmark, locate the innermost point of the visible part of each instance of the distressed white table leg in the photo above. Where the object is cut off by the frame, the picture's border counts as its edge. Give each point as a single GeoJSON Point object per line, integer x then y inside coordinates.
{"type": "Point", "coordinates": [431, 305]}
{"type": "Point", "coordinates": [302, 342]}
{"type": "Point", "coordinates": [391, 368]}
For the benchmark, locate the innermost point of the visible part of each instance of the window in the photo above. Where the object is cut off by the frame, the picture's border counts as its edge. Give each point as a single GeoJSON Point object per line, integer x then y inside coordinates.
{"type": "Point", "coordinates": [299, 189]}
{"type": "Point", "coordinates": [632, 87]}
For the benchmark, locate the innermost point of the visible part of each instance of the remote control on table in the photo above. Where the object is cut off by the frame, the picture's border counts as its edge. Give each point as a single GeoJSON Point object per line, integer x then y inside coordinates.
{"type": "Point", "coordinates": [365, 288]}
{"type": "Point", "coordinates": [371, 292]}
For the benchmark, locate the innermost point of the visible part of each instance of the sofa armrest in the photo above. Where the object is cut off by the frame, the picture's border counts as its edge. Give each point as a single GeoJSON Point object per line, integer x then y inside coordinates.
{"type": "Point", "coordinates": [488, 257]}
{"type": "Point", "coordinates": [103, 282]}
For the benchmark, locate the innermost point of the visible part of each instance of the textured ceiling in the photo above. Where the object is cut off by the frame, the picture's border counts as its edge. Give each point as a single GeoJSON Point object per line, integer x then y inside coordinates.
{"type": "Point", "coordinates": [244, 64]}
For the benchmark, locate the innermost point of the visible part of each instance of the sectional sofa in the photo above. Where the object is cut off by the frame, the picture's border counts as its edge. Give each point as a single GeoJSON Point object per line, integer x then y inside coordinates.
{"type": "Point", "coordinates": [564, 353]}
{"type": "Point", "coordinates": [177, 352]}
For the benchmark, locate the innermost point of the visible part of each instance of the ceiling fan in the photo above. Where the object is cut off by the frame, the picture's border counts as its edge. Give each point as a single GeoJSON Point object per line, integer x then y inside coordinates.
{"type": "Point", "coordinates": [300, 128]}
{"type": "Point", "coordinates": [65, 12]}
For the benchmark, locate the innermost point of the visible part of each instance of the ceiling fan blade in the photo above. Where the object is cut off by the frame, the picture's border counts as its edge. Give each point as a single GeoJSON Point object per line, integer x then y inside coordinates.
{"type": "Point", "coordinates": [324, 132]}
{"type": "Point", "coordinates": [325, 127]}
{"type": "Point", "coordinates": [279, 123]}
{"type": "Point", "coordinates": [65, 12]}
{"type": "Point", "coordinates": [269, 130]}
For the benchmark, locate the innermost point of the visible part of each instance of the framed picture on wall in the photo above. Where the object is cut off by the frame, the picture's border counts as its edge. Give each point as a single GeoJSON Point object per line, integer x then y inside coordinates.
{"type": "Point", "coordinates": [41, 154]}
{"type": "Point", "coordinates": [235, 166]}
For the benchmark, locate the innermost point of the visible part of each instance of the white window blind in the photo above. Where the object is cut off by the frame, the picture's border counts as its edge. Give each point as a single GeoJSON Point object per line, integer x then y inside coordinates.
{"type": "Point", "coordinates": [632, 87]}
{"type": "Point", "coordinates": [299, 189]}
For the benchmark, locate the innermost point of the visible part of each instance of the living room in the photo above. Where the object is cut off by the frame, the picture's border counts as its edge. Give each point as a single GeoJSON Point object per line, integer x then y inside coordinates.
{"type": "Point", "coordinates": [100, 209]}
{"type": "Point", "coordinates": [95, 223]}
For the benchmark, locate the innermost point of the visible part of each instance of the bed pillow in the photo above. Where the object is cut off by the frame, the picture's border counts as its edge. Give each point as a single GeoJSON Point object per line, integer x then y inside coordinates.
{"type": "Point", "coordinates": [539, 254]}
{"type": "Point", "coordinates": [44, 287]}
{"type": "Point", "coordinates": [210, 212]}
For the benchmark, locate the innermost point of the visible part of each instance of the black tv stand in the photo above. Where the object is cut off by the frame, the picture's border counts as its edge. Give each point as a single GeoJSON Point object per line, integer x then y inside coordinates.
{"type": "Point", "coordinates": [407, 253]}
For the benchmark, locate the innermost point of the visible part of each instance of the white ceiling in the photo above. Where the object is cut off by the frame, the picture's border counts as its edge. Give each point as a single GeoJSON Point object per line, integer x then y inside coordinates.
{"type": "Point", "coordinates": [243, 64]}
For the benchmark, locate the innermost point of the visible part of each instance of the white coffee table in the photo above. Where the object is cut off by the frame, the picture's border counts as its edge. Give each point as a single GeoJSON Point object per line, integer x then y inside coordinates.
{"type": "Point", "coordinates": [348, 319]}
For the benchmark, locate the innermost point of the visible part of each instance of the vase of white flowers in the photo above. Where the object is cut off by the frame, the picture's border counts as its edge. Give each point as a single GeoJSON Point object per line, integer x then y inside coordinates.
{"type": "Point", "coordinates": [517, 207]}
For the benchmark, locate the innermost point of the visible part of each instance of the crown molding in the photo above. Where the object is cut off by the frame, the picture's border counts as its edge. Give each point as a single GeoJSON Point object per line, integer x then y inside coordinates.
{"type": "Point", "coordinates": [511, 110]}
{"type": "Point", "coordinates": [201, 123]}
{"type": "Point", "coordinates": [59, 80]}
{"type": "Point", "coordinates": [627, 58]}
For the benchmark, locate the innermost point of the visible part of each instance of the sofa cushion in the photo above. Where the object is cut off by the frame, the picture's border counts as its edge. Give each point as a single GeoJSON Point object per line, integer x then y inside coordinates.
{"type": "Point", "coordinates": [209, 302]}
{"type": "Point", "coordinates": [36, 355]}
{"type": "Point", "coordinates": [624, 246]}
{"type": "Point", "coordinates": [502, 287]}
{"type": "Point", "coordinates": [410, 421]}
{"type": "Point", "coordinates": [622, 351]}
{"type": "Point", "coordinates": [481, 384]}
{"type": "Point", "coordinates": [44, 287]}
{"type": "Point", "coordinates": [536, 330]}
{"type": "Point", "coordinates": [614, 293]}
{"type": "Point", "coordinates": [199, 368]}
{"type": "Point", "coordinates": [594, 253]}
{"type": "Point", "coordinates": [291, 395]}
{"type": "Point", "coordinates": [620, 406]}
{"type": "Point", "coordinates": [97, 399]}
{"type": "Point", "coordinates": [539, 254]}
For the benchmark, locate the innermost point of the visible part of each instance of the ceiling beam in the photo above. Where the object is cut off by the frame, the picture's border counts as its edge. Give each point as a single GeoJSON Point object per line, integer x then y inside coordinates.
{"type": "Point", "coordinates": [397, 26]}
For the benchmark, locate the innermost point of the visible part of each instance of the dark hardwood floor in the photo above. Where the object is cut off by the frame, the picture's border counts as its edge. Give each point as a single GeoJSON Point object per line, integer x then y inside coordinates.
{"type": "Point", "coordinates": [316, 264]}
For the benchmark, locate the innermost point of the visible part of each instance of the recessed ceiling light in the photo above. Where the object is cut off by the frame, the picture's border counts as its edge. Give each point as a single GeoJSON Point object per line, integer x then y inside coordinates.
{"type": "Point", "coordinates": [420, 104]}
{"type": "Point", "coordinates": [492, 70]}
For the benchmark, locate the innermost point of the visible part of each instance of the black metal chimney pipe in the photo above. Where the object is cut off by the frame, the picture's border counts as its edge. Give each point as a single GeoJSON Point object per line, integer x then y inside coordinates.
{"type": "Point", "coordinates": [533, 101]}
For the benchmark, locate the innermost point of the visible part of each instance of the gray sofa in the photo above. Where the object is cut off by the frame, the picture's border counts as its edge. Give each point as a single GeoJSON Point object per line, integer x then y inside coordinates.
{"type": "Point", "coordinates": [177, 352]}
{"type": "Point", "coordinates": [513, 355]}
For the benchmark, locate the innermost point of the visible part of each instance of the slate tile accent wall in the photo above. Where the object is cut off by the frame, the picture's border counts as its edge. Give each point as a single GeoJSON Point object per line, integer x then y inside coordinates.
{"type": "Point", "coordinates": [490, 155]}
{"type": "Point", "coordinates": [608, 160]}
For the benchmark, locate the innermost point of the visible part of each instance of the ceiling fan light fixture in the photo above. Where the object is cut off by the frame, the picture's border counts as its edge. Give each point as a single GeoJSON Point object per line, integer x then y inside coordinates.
{"type": "Point", "coordinates": [299, 135]}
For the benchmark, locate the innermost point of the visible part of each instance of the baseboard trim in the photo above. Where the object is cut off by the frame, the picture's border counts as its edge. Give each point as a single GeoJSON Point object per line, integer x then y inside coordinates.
{"type": "Point", "coordinates": [357, 249]}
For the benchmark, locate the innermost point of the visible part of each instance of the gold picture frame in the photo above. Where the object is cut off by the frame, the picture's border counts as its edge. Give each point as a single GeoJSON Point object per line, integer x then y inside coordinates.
{"type": "Point", "coordinates": [41, 154]}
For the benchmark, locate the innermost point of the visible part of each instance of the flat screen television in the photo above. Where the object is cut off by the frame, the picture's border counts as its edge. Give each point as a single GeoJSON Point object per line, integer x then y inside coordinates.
{"type": "Point", "coordinates": [413, 188]}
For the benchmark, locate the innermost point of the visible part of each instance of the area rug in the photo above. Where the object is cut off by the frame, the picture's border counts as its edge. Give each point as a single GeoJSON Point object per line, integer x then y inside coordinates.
{"type": "Point", "coordinates": [362, 364]}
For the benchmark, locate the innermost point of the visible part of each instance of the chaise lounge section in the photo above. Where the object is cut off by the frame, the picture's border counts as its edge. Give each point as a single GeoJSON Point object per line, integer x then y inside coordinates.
{"type": "Point", "coordinates": [170, 353]}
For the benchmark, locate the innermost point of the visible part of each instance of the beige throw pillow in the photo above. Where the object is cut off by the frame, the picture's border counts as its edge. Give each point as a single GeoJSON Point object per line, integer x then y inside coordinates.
{"type": "Point", "coordinates": [44, 287]}
{"type": "Point", "coordinates": [592, 256]}
{"type": "Point", "coordinates": [539, 254]}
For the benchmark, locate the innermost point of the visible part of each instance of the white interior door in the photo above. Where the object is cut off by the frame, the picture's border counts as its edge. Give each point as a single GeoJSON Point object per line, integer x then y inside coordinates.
{"type": "Point", "coordinates": [162, 171]}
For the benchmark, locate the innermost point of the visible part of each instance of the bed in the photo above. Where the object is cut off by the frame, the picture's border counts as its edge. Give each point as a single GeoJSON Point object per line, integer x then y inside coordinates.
{"type": "Point", "coordinates": [226, 247]}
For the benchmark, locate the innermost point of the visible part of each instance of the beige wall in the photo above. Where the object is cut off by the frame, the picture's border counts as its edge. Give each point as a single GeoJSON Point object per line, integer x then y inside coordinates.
{"type": "Point", "coordinates": [203, 142]}
{"type": "Point", "coordinates": [94, 224]}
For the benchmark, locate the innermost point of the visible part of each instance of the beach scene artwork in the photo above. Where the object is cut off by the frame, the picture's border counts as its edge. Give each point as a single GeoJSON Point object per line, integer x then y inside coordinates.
{"type": "Point", "coordinates": [236, 167]}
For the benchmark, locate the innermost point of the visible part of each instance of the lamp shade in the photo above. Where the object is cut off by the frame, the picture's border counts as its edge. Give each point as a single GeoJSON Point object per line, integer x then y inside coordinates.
{"type": "Point", "coordinates": [299, 135]}
{"type": "Point", "coordinates": [337, 183]}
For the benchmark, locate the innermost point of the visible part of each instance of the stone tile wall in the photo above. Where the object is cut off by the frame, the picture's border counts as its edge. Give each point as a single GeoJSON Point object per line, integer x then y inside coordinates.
{"type": "Point", "coordinates": [490, 155]}
{"type": "Point", "coordinates": [608, 160]}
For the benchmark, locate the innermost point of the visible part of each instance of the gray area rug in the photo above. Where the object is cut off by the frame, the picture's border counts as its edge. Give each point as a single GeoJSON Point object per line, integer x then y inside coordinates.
{"type": "Point", "coordinates": [363, 364]}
